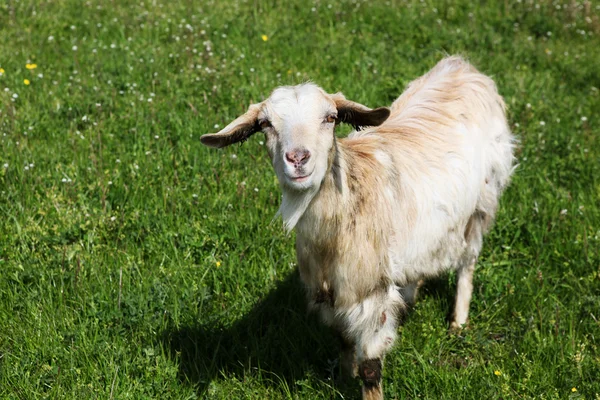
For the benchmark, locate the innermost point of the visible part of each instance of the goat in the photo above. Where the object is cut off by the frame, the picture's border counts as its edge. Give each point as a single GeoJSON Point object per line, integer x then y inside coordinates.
{"type": "Point", "coordinates": [408, 197]}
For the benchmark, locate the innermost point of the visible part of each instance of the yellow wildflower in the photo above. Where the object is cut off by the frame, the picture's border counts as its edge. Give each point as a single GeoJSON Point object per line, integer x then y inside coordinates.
{"type": "Point", "coordinates": [31, 66]}
{"type": "Point", "coordinates": [218, 264]}
{"type": "Point", "coordinates": [497, 373]}
{"type": "Point", "coordinates": [1, 71]}
{"type": "Point", "coordinates": [264, 38]}
{"type": "Point", "coordinates": [574, 390]}
{"type": "Point", "coordinates": [26, 81]}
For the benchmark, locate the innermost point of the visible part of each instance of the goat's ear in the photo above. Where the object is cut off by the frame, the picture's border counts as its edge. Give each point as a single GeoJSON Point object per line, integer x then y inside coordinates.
{"type": "Point", "coordinates": [239, 130]}
{"type": "Point", "coordinates": [358, 115]}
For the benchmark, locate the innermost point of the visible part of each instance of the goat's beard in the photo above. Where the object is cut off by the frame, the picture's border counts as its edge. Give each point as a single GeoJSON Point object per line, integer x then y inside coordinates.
{"type": "Point", "coordinates": [293, 205]}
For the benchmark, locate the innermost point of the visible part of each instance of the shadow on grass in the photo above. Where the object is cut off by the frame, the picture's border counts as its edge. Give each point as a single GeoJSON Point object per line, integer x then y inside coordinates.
{"type": "Point", "coordinates": [277, 337]}
{"type": "Point", "coordinates": [439, 289]}
{"type": "Point", "coordinates": [442, 289]}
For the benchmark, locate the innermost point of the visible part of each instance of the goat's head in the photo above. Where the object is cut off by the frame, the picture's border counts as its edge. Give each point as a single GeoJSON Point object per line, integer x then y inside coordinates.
{"type": "Point", "coordinates": [298, 122]}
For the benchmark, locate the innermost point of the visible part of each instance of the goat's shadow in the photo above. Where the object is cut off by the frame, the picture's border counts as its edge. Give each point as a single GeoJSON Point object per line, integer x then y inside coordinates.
{"type": "Point", "coordinates": [441, 288]}
{"type": "Point", "coordinates": [277, 336]}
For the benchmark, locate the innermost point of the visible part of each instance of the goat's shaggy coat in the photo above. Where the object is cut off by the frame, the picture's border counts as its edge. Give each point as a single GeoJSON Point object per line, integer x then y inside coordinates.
{"type": "Point", "coordinates": [406, 199]}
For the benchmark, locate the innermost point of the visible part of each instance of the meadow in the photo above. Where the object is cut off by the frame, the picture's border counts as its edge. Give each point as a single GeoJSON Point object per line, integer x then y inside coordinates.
{"type": "Point", "coordinates": [136, 263]}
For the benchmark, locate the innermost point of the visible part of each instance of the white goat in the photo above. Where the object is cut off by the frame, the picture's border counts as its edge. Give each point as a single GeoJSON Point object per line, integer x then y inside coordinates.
{"type": "Point", "coordinates": [407, 198]}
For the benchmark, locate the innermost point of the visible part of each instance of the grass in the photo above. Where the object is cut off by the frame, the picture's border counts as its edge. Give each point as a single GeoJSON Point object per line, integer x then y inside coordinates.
{"type": "Point", "coordinates": [136, 263]}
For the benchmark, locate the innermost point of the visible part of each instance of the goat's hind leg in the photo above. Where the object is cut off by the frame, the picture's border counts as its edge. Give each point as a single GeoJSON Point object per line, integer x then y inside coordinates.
{"type": "Point", "coordinates": [410, 292]}
{"type": "Point", "coordinates": [464, 290]}
{"type": "Point", "coordinates": [464, 274]}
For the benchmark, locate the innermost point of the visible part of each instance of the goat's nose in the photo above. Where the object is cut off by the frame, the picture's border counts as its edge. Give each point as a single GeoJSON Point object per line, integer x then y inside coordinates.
{"type": "Point", "coordinates": [297, 157]}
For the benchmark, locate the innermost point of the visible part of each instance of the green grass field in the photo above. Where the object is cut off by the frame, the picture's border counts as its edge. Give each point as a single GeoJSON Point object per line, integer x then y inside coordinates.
{"type": "Point", "coordinates": [136, 263]}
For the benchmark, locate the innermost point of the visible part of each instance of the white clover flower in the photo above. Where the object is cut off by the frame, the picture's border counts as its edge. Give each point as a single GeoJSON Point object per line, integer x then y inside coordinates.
{"type": "Point", "coordinates": [74, 48]}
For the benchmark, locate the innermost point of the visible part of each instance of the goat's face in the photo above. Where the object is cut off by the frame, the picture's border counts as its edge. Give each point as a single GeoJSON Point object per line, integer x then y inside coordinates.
{"type": "Point", "coordinates": [299, 126]}
{"type": "Point", "coordinates": [299, 123]}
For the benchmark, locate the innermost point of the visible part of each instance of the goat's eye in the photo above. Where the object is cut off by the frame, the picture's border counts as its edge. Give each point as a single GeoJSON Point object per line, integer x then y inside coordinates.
{"type": "Point", "coordinates": [330, 118]}
{"type": "Point", "coordinates": [265, 123]}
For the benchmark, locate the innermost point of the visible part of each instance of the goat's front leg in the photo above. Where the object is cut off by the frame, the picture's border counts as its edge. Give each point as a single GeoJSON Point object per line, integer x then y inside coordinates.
{"type": "Point", "coordinates": [370, 374]}
{"type": "Point", "coordinates": [371, 325]}
{"type": "Point", "coordinates": [348, 357]}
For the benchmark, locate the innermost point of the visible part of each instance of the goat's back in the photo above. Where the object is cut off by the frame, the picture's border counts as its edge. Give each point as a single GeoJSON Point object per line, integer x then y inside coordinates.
{"type": "Point", "coordinates": [450, 143]}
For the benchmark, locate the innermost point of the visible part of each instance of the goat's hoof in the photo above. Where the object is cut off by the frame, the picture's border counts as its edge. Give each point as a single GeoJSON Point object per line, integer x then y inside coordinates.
{"type": "Point", "coordinates": [455, 328]}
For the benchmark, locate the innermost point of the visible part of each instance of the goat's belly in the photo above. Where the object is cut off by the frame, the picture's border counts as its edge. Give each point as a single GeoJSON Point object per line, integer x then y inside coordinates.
{"type": "Point", "coordinates": [416, 260]}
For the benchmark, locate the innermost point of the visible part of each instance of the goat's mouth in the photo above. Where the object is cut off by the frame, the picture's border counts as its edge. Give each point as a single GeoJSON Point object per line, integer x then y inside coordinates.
{"type": "Point", "coordinates": [298, 178]}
